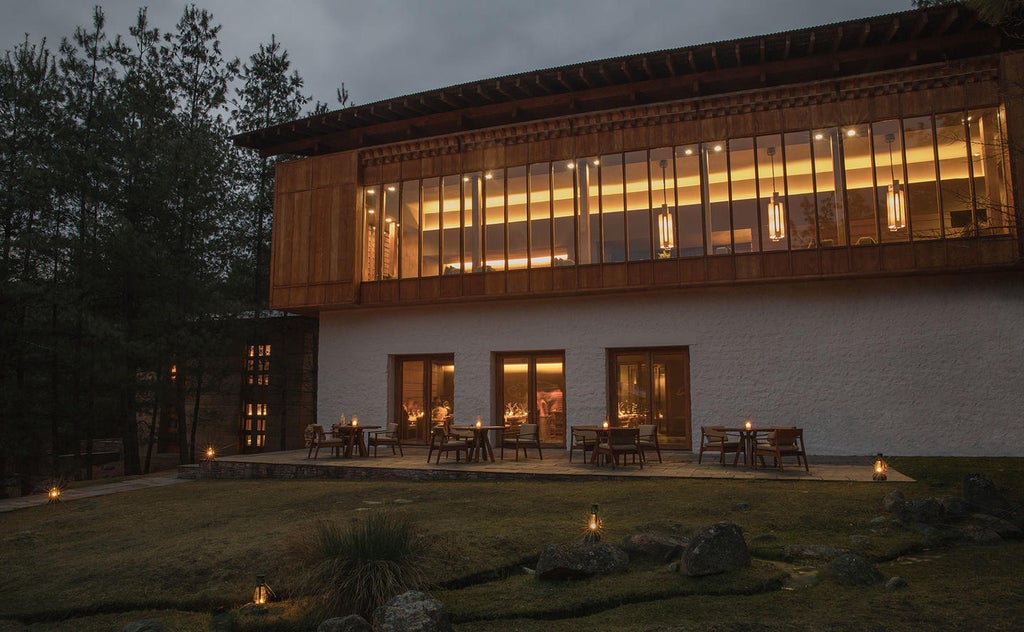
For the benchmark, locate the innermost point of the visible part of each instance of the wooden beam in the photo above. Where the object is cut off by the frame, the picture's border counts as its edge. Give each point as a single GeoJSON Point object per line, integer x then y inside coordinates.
{"type": "Point", "coordinates": [788, 47]}
{"type": "Point", "coordinates": [583, 77]}
{"type": "Point", "coordinates": [691, 60]}
{"type": "Point", "coordinates": [893, 28]}
{"type": "Point", "coordinates": [864, 32]}
{"type": "Point", "coordinates": [561, 79]}
{"type": "Point", "coordinates": [810, 44]}
{"type": "Point", "coordinates": [761, 46]}
{"type": "Point", "coordinates": [670, 64]}
{"type": "Point", "coordinates": [837, 42]}
{"type": "Point", "coordinates": [739, 58]}
{"type": "Point", "coordinates": [714, 57]}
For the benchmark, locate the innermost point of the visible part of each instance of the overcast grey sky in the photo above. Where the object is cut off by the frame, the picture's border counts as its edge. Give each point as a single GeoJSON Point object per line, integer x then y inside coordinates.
{"type": "Point", "coordinates": [388, 48]}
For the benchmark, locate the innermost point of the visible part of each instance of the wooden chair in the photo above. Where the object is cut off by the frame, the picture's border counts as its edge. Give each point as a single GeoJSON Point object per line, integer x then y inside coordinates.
{"type": "Point", "coordinates": [389, 436]}
{"type": "Point", "coordinates": [527, 436]}
{"type": "Point", "coordinates": [319, 439]}
{"type": "Point", "coordinates": [717, 439]}
{"type": "Point", "coordinates": [618, 442]}
{"type": "Point", "coordinates": [782, 442]}
{"type": "Point", "coordinates": [443, 442]}
{"type": "Point", "coordinates": [584, 440]}
{"type": "Point", "coordinates": [649, 440]}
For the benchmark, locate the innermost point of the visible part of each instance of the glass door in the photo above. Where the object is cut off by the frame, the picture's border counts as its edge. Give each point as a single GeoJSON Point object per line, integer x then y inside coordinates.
{"type": "Point", "coordinates": [426, 393]}
{"type": "Point", "coordinates": [532, 390]}
{"type": "Point", "coordinates": [652, 386]}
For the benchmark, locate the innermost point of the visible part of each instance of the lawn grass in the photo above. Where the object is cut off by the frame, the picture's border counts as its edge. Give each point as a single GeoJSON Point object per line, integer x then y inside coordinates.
{"type": "Point", "coordinates": [189, 554]}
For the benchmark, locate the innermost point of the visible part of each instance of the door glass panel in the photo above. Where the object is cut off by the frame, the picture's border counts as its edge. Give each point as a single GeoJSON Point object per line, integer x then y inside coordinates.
{"type": "Point", "coordinates": [550, 397]}
{"type": "Point", "coordinates": [426, 386]}
{"type": "Point", "coordinates": [414, 411]}
{"type": "Point", "coordinates": [515, 390]}
{"type": "Point", "coordinates": [442, 391]}
{"type": "Point", "coordinates": [633, 378]}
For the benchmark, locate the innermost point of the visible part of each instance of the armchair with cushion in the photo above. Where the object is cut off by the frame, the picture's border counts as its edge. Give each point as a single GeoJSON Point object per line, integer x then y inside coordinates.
{"type": "Point", "coordinates": [443, 442]}
{"type": "Point", "coordinates": [717, 439]}
{"type": "Point", "coordinates": [316, 438]}
{"type": "Point", "coordinates": [584, 440]}
{"type": "Point", "coordinates": [526, 436]}
{"type": "Point", "coordinates": [389, 436]}
{"type": "Point", "coordinates": [617, 442]}
{"type": "Point", "coordinates": [649, 440]}
{"type": "Point", "coordinates": [782, 442]}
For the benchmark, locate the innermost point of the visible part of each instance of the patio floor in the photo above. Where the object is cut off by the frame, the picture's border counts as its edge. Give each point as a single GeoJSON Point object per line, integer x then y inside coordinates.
{"type": "Point", "coordinates": [555, 466]}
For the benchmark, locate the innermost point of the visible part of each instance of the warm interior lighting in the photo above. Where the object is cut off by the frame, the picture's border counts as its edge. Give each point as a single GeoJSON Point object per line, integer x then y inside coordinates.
{"type": "Point", "coordinates": [880, 468]}
{"type": "Point", "coordinates": [262, 593]}
{"type": "Point", "coordinates": [776, 210]}
{"type": "Point", "coordinates": [895, 198]}
{"type": "Point", "coordinates": [851, 132]}
{"type": "Point", "coordinates": [666, 231]}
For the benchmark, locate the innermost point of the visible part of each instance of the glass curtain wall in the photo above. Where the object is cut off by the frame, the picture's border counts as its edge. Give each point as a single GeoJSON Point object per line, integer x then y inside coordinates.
{"type": "Point", "coordinates": [919, 178]}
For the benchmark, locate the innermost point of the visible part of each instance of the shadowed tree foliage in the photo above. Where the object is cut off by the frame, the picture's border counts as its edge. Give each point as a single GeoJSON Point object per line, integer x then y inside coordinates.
{"type": "Point", "coordinates": [130, 226]}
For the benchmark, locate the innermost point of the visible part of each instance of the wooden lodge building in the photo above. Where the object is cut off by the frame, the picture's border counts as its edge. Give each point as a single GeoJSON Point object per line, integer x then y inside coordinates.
{"type": "Point", "coordinates": [815, 228]}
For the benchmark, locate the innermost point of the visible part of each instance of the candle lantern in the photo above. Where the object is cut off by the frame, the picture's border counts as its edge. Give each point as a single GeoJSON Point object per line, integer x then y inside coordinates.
{"type": "Point", "coordinates": [748, 425]}
{"type": "Point", "coordinates": [210, 453]}
{"type": "Point", "coordinates": [593, 533]}
{"type": "Point", "coordinates": [479, 422]}
{"type": "Point", "coordinates": [262, 593]}
{"type": "Point", "coordinates": [355, 421]}
{"type": "Point", "coordinates": [604, 424]}
{"type": "Point", "coordinates": [53, 494]}
{"type": "Point", "coordinates": [880, 468]}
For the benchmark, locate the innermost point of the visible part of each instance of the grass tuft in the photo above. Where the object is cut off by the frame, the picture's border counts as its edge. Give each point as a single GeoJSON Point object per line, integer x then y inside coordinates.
{"type": "Point", "coordinates": [357, 568]}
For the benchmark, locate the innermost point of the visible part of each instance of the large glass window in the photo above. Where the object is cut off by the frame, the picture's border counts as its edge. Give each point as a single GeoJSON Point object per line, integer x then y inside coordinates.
{"type": "Point", "coordinates": [531, 389]}
{"type": "Point", "coordinates": [540, 215]}
{"type": "Point", "coordinates": [518, 253]}
{"type": "Point", "coordinates": [919, 178]}
{"type": "Point", "coordinates": [563, 211]}
{"type": "Point", "coordinates": [652, 387]}
{"type": "Point", "coordinates": [425, 389]}
{"type": "Point", "coordinates": [409, 230]}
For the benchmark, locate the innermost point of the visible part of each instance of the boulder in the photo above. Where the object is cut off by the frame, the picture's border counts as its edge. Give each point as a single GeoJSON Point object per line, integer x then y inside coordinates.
{"type": "Point", "coordinates": [412, 611]}
{"type": "Point", "coordinates": [927, 510]}
{"type": "Point", "coordinates": [853, 570]}
{"type": "Point", "coordinates": [656, 546]}
{"type": "Point", "coordinates": [955, 506]}
{"type": "Point", "coordinates": [351, 623]}
{"type": "Point", "coordinates": [1004, 528]}
{"type": "Point", "coordinates": [812, 551]}
{"type": "Point", "coordinates": [895, 583]}
{"type": "Point", "coordinates": [580, 560]}
{"type": "Point", "coordinates": [892, 501]}
{"type": "Point", "coordinates": [983, 496]}
{"type": "Point", "coordinates": [718, 548]}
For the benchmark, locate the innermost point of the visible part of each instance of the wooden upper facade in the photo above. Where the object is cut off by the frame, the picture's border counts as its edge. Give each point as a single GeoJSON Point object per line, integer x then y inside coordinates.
{"type": "Point", "coordinates": [911, 64]}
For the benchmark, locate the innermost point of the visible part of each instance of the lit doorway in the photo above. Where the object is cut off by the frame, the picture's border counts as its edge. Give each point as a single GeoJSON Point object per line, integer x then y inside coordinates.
{"type": "Point", "coordinates": [652, 386]}
{"type": "Point", "coordinates": [425, 394]}
{"type": "Point", "coordinates": [531, 389]}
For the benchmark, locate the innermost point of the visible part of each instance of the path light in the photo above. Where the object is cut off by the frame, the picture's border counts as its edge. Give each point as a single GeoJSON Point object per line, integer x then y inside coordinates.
{"type": "Point", "coordinates": [880, 468]}
{"type": "Point", "coordinates": [210, 453]}
{"type": "Point", "coordinates": [53, 494]}
{"type": "Point", "coordinates": [262, 594]}
{"type": "Point", "coordinates": [593, 533]}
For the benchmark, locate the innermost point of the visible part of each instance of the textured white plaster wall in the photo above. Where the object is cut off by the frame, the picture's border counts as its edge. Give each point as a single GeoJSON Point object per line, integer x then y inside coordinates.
{"type": "Point", "coordinates": [922, 366]}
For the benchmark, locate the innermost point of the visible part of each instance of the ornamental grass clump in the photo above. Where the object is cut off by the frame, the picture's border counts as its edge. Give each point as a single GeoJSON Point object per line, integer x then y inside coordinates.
{"type": "Point", "coordinates": [357, 568]}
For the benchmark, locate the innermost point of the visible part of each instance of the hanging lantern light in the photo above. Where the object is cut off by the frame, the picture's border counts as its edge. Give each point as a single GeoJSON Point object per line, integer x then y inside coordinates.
{"type": "Point", "coordinates": [776, 209]}
{"type": "Point", "coordinates": [879, 469]}
{"type": "Point", "coordinates": [593, 533]}
{"type": "Point", "coordinates": [666, 229]}
{"type": "Point", "coordinates": [262, 593]}
{"type": "Point", "coordinates": [895, 197]}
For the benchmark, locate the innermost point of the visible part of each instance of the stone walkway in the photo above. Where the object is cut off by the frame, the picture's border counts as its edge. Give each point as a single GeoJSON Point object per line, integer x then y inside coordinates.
{"type": "Point", "coordinates": [555, 466]}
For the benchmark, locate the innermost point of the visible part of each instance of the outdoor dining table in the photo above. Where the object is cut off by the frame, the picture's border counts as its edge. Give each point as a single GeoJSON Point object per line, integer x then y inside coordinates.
{"type": "Point", "coordinates": [482, 448]}
{"type": "Point", "coordinates": [600, 432]}
{"type": "Point", "coordinates": [356, 438]}
{"type": "Point", "coordinates": [748, 439]}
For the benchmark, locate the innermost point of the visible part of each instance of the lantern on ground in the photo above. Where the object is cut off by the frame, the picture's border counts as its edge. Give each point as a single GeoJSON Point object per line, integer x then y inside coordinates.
{"type": "Point", "coordinates": [53, 494]}
{"type": "Point", "coordinates": [879, 469]}
{"type": "Point", "coordinates": [210, 453]}
{"type": "Point", "coordinates": [262, 593]}
{"type": "Point", "coordinates": [593, 533]}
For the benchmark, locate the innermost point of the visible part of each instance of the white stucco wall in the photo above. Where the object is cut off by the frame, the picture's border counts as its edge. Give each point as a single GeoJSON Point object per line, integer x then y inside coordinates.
{"type": "Point", "coordinates": [912, 366]}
